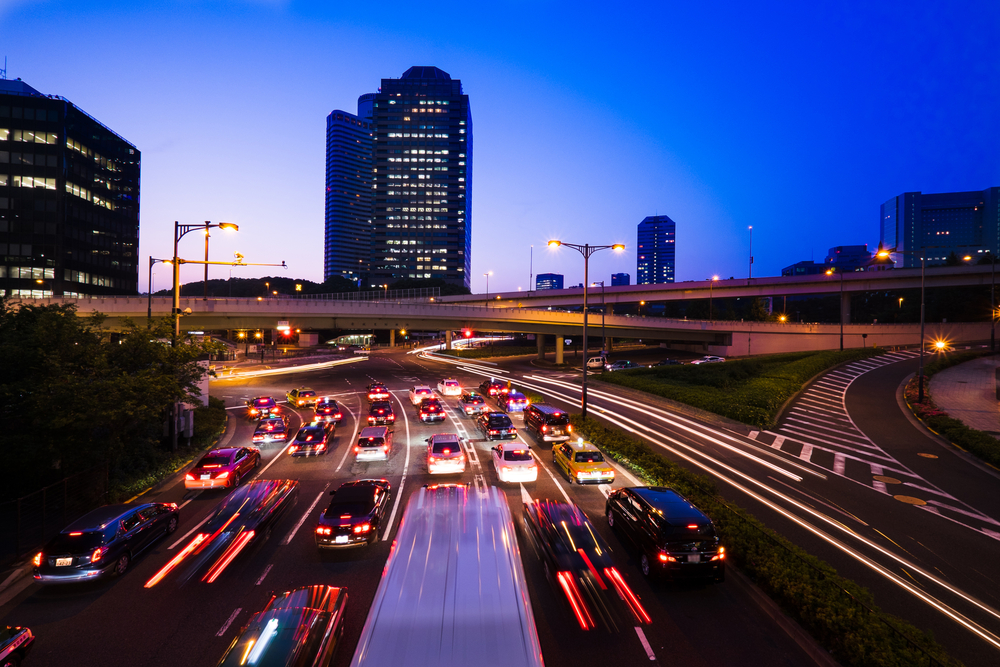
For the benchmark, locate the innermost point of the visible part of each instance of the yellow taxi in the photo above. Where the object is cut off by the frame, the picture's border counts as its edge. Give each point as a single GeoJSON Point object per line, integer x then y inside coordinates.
{"type": "Point", "coordinates": [583, 463]}
{"type": "Point", "coordinates": [301, 397]}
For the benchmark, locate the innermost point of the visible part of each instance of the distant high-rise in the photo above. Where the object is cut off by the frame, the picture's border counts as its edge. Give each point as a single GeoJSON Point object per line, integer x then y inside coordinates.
{"type": "Point", "coordinates": [69, 199]}
{"type": "Point", "coordinates": [548, 281]}
{"type": "Point", "coordinates": [422, 179]}
{"type": "Point", "coordinates": [347, 248]}
{"type": "Point", "coordinates": [966, 223]}
{"type": "Point", "coordinates": [620, 279]}
{"type": "Point", "coordinates": [655, 255]}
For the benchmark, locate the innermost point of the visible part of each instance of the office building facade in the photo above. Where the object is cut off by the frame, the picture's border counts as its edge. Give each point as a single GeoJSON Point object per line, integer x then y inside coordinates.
{"type": "Point", "coordinates": [620, 279]}
{"type": "Point", "coordinates": [655, 250]}
{"type": "Point", "coordinates": [347, 246]}
{"type": "Point", "coordinates": [936, 225]}
{"type": "Point", "coordinates": [69, 199]}
{"type": "Point", "coordinates": [548, 281]}
{"type": "Point", "coordinates": [839, 258]}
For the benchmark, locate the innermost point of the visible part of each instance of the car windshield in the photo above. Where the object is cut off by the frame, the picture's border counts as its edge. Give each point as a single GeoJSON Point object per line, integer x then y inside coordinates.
{"type": "Point", "coordinates": [446, 447]}
{"type": "Point", "coordinates": [66, 543]}
{"type": "Point", "coordinates": [381, 406]}
{"type": "Point", "coordinates": [589, 457]}
{"type": "Point", "coordinates": [501, 421]}
{"type": "Point", "coordinates": [353, 507]}
{"type": "Point", "coordinates": [322, 405]}
{"type": "Point", "coordinates": [308, 434]}
{"type": "Point", "coordinates": [307, 393]}
{"type": "Point", "coordinates": [516, 455]}
{"type": "Point", "coordinates": [430, 403]}
{"type": "Point", "coordinates": [559, 419]}
{"type": "Point", "coordinates": [214, 461]}
{"type": "Point", "coordinates": [371, 442]}
{"type": "Point", "coordinates": [262, 402]}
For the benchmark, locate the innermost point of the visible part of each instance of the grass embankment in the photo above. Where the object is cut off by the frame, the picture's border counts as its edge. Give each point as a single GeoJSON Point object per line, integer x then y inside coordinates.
{"type": "Point", "coordinates": [981, 445]}
{"type": "Point", "coordinates": [748, 390]}
{"type": "Point", "coordinates": [837, 612]}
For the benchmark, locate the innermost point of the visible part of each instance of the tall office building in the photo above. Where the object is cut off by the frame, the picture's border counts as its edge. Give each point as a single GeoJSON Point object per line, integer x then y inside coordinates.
{"type": "Point", "coordinates": [548, 281]}
{"type": "Point", "coordinates": [966, 223]}
{"type": "Point", "coordinates": [620, 279]}
{"type": "Point", "coordinates": [655, 255]}
{"type": "Point", "coordinates": [422, 179]}
{"type": "Point", "coordinates": [69, 199]}
{"type": "Point", "coordinates": [347, 248]}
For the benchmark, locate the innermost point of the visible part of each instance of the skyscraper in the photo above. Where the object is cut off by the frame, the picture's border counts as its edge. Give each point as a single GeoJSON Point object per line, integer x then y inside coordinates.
{"type": "Point", "coordinates": [966, 223]}
{"type": "Point", "coordinates": [655, 255]}
{"type": "Point", "coordinates": [422, 179]}
{"type": "Point", "coordinates": [69, 199]}
{"type": "Point", "coordinates": [347, 248]}
{"type": "Point", "coordinates": [548, 281]}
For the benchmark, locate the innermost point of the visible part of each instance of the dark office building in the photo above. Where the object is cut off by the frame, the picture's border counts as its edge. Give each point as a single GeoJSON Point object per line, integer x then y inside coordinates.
{"type": "Point", "coordinates": [804, 268]}
{"type": "Point", "coordinates": [422, 179]}
{"type": "Point", "coordinates": [69, 199]}
{"type": "Point", "coordinates": [966, 223]}
{"type": "Point", "coordinates": [548, 281]}
{"type": "Point", "coordinates": [347, 248]}
{"type": "Point", "coordinates": [655, 250]}
{"type": "Point", "coordinates": [620, 279]}
{"type": "Point", "coordinates": [839, 258]}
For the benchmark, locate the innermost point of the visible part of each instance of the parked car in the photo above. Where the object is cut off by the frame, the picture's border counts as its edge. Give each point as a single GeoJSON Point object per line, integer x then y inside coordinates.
{"type": "Point", "coordinates": [298, 627]}
{"type": "Point", "coordinates": [666, 362]}
{"type": "Point", "coordinates": [312, 439]}
{"type": "Point", "coordinates": [621, 366]}
{"type": "Point", "coordinates": [449, 387]}
{"type": "Point", "coordinates": [271, 429]}
{"type": "Point", "coordinates": [547, 422]}
{"type": "Point", "coordinates": [15, 644]}
{"type": "Point", "coordinates": [513, 462]}
{"type": "Point", "coordinates": [674, 538]}
{"type": "Point", "coordinates": [355, 514]}
{"type": "Point", "coordinates": [595, 363]}
{"type": "Point", "coordinates": [377, 392]}
{"type": "Point", "coordinates": [431, 410]}
{"type": "Point", "coordinates": [374, 444]}
{"type": "Point", "coordinates": [301, 397]}
{"type": "Point", "coordinates": [708, 359]}
{"type": "Point", "coordinates": [513, 401]}
{"type": "Point", "coordinates": [582, 463]}
{"type": "Point", "coordinates": [327, 409]}
{"type": "Point", "coordinates": [493, 387]}
{"type": "Point", "coordinates": [104, 542]}
{"type": "Point", "coordinates": [473, 403]}
{"type": "Point", "coordinates": [444, 454]}
{"type": "Point", "coordinates": [496, 426]}
{"type": "Point", "coordinates": [261, 406]}
{"type": "Point", "coordinates": [222, 468]}
{"type": "Point", "coordinates": [380, 413]}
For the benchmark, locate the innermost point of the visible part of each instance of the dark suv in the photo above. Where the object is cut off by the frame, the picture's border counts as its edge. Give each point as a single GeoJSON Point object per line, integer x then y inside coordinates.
{"type": "Point", "coordinates": [674, 538]}
{"type": "Point", "coordinates": [104, 542]}
{"type": "Point", "coordinates": [547, 422]}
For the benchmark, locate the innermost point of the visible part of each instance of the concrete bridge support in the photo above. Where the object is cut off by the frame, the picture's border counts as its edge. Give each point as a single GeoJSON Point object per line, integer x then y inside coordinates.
{"type": "Point", "coordinates": [609, 341]}
{"type": "Point", "coordinates": [845, 308]}
{"type": "Point", "coordinates": [540, 342]}
{"type": "Point", "coordinates": [447, 339]}
{"type": "Point", "coordinates": [559, 348]}
{"type": "Point", "coordinates": [392, 338]}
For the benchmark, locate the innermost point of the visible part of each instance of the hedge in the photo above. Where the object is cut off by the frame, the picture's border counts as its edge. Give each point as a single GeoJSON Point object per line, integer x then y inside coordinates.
{"type": "Point", "coordinates": [981, 445]}
{"type": "Point", "coordinates": [837, 612]}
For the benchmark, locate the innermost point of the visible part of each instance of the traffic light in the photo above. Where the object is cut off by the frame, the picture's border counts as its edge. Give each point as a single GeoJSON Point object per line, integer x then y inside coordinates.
{"type": "Point", "coordinates": [467, 333]}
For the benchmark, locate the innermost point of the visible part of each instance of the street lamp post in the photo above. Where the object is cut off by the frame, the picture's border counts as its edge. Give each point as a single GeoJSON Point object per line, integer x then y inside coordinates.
{"type": "Point", "coordinates": [586, 250]}
{"type": "Point", "coordinates": [882, 253]}
{"type": "Point", "coordinates": [179, 232]}
{"type": "Point", "coordinates": [488, 274]}
{"type": "Point", "coordinates": [750, 270]}
{"type": "Point", "coordinates": [711, 284]}
{"type": "Point", "coordinates": [149, 299]}
{"type": "Point", "coordinates": [830, 272]}
{"type": "Point", "coordinates": [604, 340]}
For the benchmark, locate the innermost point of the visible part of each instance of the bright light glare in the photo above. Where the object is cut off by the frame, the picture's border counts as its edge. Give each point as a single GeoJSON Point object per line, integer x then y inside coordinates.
{"type": "Point", "coordinates": [229, 226]}
{"type": "Point", "coordinates": [269, 632]}
{"type": "Point", "coordinates": [618, 247]}
{"type": "Point", "coordinates": [554, 244]}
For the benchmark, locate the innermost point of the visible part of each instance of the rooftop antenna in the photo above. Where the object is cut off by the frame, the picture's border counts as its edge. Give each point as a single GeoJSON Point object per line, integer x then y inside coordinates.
{"type": "Point", "coordinates": [3, 72]}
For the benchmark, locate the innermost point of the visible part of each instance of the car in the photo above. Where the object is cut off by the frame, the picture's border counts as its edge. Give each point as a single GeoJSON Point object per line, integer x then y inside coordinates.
{"type": "Point", "coordinates": [420, 392]}
{"type": "Point", "coordinates": [620, 366]}
{"type": "Point", "coordinates": [596, 363]}
{"type": "Point", "coordinates": [103, 542]}
{"type": "Point", "coordinates": [547, 423]}
{"type": "Point", "coordinates": [579, 565]}
{"type": "Point", "coordinates": [666, 362]}
{"type": "Point", "coordinates": [15, 645]}
{"type": "Point", "coordinates": [380, 413]}
{"type": "Point", "coordinates": [271, 429]}
{"type": "Point", "coordinates": [709, 359]}
{"type": "Point", "coordinates": [492, 387]}
{"type": "Point", "coordinates": [513, 462]}
{"type": "Point", "coordinates": [261, 406]}
{"type": "Point", "coordinates": [244, 517]}
{"type": "Point", "coordinates": [222, 468]}
{"type": "Point", "coordinates": [449, 387]}
{"type": "Point", "coordinates": [328, 410]}
{"type": "Point", "coordinates": [431, 410]}
{"type": "Point", "coordinates": [473, 403]}
{"type": "Point", "coordinates": [377, 392]}
{"type": "Point", "coordinates": [582, 463]}
{"type": "Point", "coordinates": [298, 627]}
{"type": "Point", "coordinates": [674, 538]}
{"type": "Point", "coordinates": [513, 401]}
{"type": "Point", "coordinates": [374, 444]}
{"type": "Point", "coordinates": [312, 439]}
{"type": "Point", "coordinates": [355, 514]}
{"type": "Point", "coordinates": [444, 454]}
{"type": "Point", "coordinates": [496, 426]}
{"type": "Point", "coordinates": [301, 397]}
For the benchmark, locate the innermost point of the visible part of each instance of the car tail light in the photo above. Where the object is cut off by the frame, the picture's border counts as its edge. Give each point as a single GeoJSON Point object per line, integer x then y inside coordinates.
{"type": "Point", "coordinates": [625, 593]}
{"type": "Point", "coordinates": [569, 428]}
{"type": "Point", "coordinates": [385, 448]}
{"type": "Point", "coordinates": [293, 449]}
{"type": "Point", "coordinates": [581, 474]}
{"type": "Point", "coordinates": [37, 560]}
{"type": "Point", "coordinates": [338, 416]}
{"type": "Point", "coordinates": [357, 449]}
{"type": "Point", "coordinates": [320, 446]}
{"type": "Point", "coordinates": [227, 556]}
{"type": "Point", "coordinates": [362, 528]}
{"type": "Point", "coordinates": [98, 554]}
{"type": "Point", "coordinates": [545, 428]}
{"type": "Point", "coordinates": [580, 610]}
{"type": "Point", "coordinates": [431, 460]}
{"type": "Point", "coordinates": [184, 553]}
{"type": "Point", "coordinates": [222, 475]}
{"type": "Point", "coordinates": [323, 530]}
{"type": "Point", "coordinates": [667, 558]}
{"type": "Point", "coordinates": [189, 477]}
{"type": "Point", "coordinates": [507, 469]}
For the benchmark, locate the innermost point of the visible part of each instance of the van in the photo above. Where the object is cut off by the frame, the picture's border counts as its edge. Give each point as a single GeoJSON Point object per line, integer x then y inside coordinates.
{"type": "Point", "coordinates": [595, 363]}
{"type": "Point", "coordinates": [374, 444]}
{"type": "Point", "coordinates": [547, 422]}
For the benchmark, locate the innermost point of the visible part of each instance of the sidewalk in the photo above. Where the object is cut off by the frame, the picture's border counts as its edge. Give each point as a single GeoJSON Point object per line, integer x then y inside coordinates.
{"type": "Point", "coordinates": [968, 392]}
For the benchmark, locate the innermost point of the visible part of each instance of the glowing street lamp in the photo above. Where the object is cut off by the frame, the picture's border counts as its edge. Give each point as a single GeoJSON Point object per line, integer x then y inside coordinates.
{"type": "Point", "coordinates": [830, 272]}
{"type": "Point", "coordinates": [711, 284]}
{"type": "Point", "coordinates": [179, 232]}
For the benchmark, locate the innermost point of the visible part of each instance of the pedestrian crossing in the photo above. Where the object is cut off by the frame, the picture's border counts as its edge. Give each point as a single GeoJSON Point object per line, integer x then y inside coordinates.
{"type": "Point", "coordinates": [818, 429]}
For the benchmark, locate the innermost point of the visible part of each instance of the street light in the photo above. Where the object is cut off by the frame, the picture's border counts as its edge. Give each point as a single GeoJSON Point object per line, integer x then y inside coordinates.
{"type": "Point", "coordinates": [179, 232]}
{"type": "Point", "coordinates": [711, 284]}
{"type": "Point", "coordinates": [993, 307]}
{"type": "Point", "coordinates": [884, 254]}
{"type": "Point", "coordinates": [149, 299]}
{"type": "Point", "coordinates": [488, 274]}
{"type": "Point", "coordinates": [830, 272]}
{"type": "Point", "coordinates": [586, 250]}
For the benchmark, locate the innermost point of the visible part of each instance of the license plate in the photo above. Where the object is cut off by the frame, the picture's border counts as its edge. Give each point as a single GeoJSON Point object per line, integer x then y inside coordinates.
{"type": "Point", "coordinates": [206, 476]}
{"type": "Point", "coordinates": [63, 562]}
{"type": "Point", "coordinates": [340, 539]}
{"type": "Point", "coordinates": [694, 558]}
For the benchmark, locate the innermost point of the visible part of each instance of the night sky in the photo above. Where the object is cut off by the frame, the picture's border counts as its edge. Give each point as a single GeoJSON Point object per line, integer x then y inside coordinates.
{"type": "Point", "coordinates": [799, 120]}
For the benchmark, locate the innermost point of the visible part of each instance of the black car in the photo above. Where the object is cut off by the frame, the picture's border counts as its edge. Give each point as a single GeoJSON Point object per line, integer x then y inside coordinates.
{"type": "Point", "coordinates": [261, 406]}
{"type": "Point", "coordinates": [355, 514]}
{"type": "Point", "coordinates": [431, 410]}
{"type": "Point", "coordinates": [668, 362]}
{"type": "Point", "coordinates": [244, 517]}
{"type": "Point", "coordinates": [104, 542]}
{"type": "Point", "coordinates": [674, 538]}
{"type": "Point", "coordinates": [377, 392]}
{"type": "Point", "coordinates": [15, 644]}
{"type": "Point", "coordinates": [327, 409]}
{"type": "Point", "coordinates": [273, 428]}
{"type": "Point", "coordinates": [496, 426]}
{"type": "Point", "coordinates": [493, 388]}
{"type": "Point", "coordinates": [380, 414]}
{"type": "Point", "coordinates": [299, 627]}
{"type": "Point", "coordinates": [579, 564]}
{"type": "Point", "coordinates": [547, 422]}
{"type": "Point", "coordinates": [312, 439]}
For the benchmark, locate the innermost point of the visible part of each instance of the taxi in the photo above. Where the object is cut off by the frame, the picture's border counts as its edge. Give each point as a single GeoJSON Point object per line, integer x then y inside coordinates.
{"type": "Point", "coordinates": [583, 463]}
{"type": "Point", "coordinates": [301, 397]}
{"type": "Point", "coordinates": [419, 392]}
{"type": "Point", "coordinates": [260, 407]}
{"type": "Point", "coordinates": [449, 387]}
{"type": "Point", "coordinates": [377, 392]}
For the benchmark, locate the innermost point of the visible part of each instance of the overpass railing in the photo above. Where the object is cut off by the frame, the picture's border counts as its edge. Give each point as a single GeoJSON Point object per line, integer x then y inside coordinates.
{"type": "Point", "coordinates": [415, 294]}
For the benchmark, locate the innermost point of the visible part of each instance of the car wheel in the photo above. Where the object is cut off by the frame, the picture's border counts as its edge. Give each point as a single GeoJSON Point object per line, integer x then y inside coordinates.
{"type": "Point", "coordinates": [12, 660]}
{"type": "Point", "coordinates": [257, 462]}
{"type": "Point", "coordinates": [644, 566]}
{"type": "Point", "coordinates": [611, 518]}
{"type": "Point", "coordinates": [122, 564]}
{"type": "Point", "coordinates": [172, 525]}
{"type": "Point", "coordinates": [236, 480]}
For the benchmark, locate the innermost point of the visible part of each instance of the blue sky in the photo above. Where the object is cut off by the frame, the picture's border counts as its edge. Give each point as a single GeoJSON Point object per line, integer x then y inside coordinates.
{"type": "Point", "coordinates": [799, 120]}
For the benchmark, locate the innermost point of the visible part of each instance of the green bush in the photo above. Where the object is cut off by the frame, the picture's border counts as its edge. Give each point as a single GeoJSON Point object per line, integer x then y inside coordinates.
{"type": "Point", "coordinates": [209, 421]}
{"type": "Point", "coordinates": [939, 362]}
{"type": "Point", "coordinates": [982, 445]}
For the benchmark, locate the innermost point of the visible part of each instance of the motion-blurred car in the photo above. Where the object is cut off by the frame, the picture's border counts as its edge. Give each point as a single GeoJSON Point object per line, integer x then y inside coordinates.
{"type": "Point", "coordinates": [244, 517]}
{"type": "Point", "coordinates": [582, 463]}
{"type": "Point", "coordinates": [431, 410]}
{"type": "Point", "coordinates": [15, 644]}
{"type": "Point", "coordinates": [496, 426]}
{"type": "Point", "coordinates": [261, 406]}
{"type": "Point", "coordinates": [299, 627]}
{"type": "Point", "coordinates": [380, 414]}
{"type": "Point", "coordinates": [271, 429]}
{"type": "Point", "coordinates": [420, 392]}
{"type": "Point", "coordinates": [222, 468]}
{"type": "Point", "coordinates": [674, 538]}
{"type": "Point", "coordinates": [473, 403]}
{"type": "Point", "coordinates": [666, 362]}
{"type": "Point", "coordinates": [327, 409]}
{"type": "Point", "coordinates": [513, 401]}
{"type": "Point", "coordinates": [354, 515]}
{"type": "Point", "coordinates": [513, 462]}
{"type": "Point", "coordinates": [301, 397]}
{"type": "Point", "coordinates": [104, 542]}
{"type": "Point", "coordinates": [377, 392]}
{"type": "Point", "coordinates": [449, 387]}
{"type": "Point", "coordinates": [312, 439]}
{"type": "Point", "coordinates": [708, 359]}
{"type": "Point", "coordinates": [547, 422]}
{"type": "Point", "coordinates": [493, 387]}
{"type": "Point", "coordinates": [621, 366]}
{"type": "Point", "coordinates": [444, 454]}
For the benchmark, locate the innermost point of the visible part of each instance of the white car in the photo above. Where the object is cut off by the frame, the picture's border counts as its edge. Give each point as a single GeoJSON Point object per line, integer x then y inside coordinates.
{"type": "Point", "coordinates": [709, 360]}
{"type": "Point", "coordinates": [514, 463]}
{"type": "Point", "coordinates": [419, 393]}
{"type": "Point", "coordinates": [445, 454]}
{"type": "Point", "coordinates": [449, 387]}
{"type": "Point", "coordinates": [595, 363]}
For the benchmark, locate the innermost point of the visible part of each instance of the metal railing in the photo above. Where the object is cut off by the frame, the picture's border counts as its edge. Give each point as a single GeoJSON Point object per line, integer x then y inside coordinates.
{"type": "Point", "coordinates": [415, 294]}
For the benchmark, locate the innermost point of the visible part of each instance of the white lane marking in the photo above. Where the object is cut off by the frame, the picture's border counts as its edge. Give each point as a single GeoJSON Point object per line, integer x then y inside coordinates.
{"type": "Point", "coordinates": [285, 542]}
{"type": "Point", "coordinates": [187, 534]}
{"type": "Point", "coordinates": [839, 462]}
{"type": "Point", "coordinates": [222, 630]}
{"type": "Point", "coordinates": [959, 510]}
{"type": "Point", "coordinates": [480, 483]}
{"type": "Point", "coordinates": [266, 570]}
{"type": "Point", "coordinates": [876, 484]}
{"type": "Point", "coordinates": [271, 462]}
{"type": "Point", "coordinates": [645, 643]}
{"type": "Point", "coordinates": [406, 468]}
{"type": "Point", "coordinates": [525, 496]}
{"type": "Point", "coordinates": [558, 485]}
{"type": "Point", "coordinates": [778, 440]}
{"type": "Point", "coordinates": [806, 453]}
{"type": "Point", "coordinates": [753, 435]}
{"type": "Point", "coordinates": [196, 494]}
{"type": "Point", "coordinates": [605, 489]}
{"type": "Point", "coordinates": [350, 443]}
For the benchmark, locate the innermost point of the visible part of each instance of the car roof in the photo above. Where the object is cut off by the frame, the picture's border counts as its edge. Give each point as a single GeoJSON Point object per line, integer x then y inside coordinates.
{"type": "Point", "coordinates": [513, 445]}
{"type": "Point", "coordinates": [354, 492]}
{"type": "Point", "coordinates": [420, 387]}
{"type": "Point", "coordinates": [491, 415]}
{"type": "Point", "coordinates": [583, 446]}
{"type": "Point", "coordinates": [222, 451]}
{"type": "Point", "coordinates": [445, 437]}
{"type": "Point", "coordinates": [100, 517]}
{"type": "Point", "coordinates": [670, 504]}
